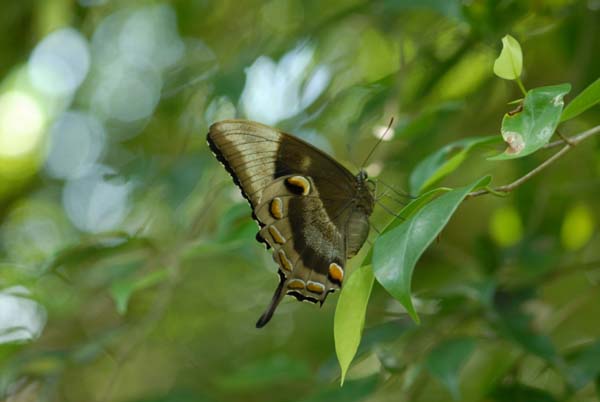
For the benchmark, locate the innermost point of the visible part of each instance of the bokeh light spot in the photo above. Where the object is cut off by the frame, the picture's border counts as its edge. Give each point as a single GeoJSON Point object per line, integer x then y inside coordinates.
{"type": "Point", "coordinates": [76, 142]}
{"type": "Point", "coordinates": [277, 91]}
{"type": "Point", "coordinates": [126, 92]}
{"type": "Point", "coordinates": [21, 318]}
{"type": "Point", "coordinates": [505, 226]}
{"type": "Point", "coordinates": [21, 123]}
{"type": "Point", "coordinates": [95, 203]}
{"type": "Point", "coordinates": [60, 62]}
{"type": "Point", "coordinates": [578, 227]}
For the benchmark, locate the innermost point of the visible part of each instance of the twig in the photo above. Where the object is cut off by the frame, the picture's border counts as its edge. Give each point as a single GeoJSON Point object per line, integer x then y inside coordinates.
{"type": "Point", "coordinates": [570, 143]}
{"type": "Point", "coordinates": [575, 139]}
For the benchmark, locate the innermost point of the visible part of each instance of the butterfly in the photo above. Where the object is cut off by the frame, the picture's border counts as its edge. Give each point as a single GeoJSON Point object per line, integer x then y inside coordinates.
{"type": "Point", "coordinates": [312, 211]}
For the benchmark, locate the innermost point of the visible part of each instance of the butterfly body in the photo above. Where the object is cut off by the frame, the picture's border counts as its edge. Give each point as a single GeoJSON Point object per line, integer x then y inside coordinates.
{"type": "Point", "coordinates": [311, 210]}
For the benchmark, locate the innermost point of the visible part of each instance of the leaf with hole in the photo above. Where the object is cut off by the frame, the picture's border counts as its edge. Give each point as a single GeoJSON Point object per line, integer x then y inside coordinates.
{"type": "Point", "coordinates": [530, 129]}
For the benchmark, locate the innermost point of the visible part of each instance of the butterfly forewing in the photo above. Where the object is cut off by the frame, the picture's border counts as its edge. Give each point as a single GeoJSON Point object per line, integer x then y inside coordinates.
{"type": "Point", "coordinates": [311, 210]}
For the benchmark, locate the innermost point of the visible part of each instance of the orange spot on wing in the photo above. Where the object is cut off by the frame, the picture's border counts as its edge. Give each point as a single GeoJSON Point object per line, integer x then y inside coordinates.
{"type": "Point", "coordinates": [276, 235]}
{"type": "Point", "coordinates": [283, 260]}
{"type": "Point", "coordinates": [276, 208]}
{"type": "Point", "coordinates": [296, 284]}
{"type": "Point", "coordinates": [336, 272]}
{"type": "Point", "coordinates": [301, 182]}
{"type": "Point", "coordinates": [315, 287]}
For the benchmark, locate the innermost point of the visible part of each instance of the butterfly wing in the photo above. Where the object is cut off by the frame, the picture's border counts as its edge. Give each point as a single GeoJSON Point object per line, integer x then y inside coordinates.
{"type": "Point", "coordinates": [302, 199]}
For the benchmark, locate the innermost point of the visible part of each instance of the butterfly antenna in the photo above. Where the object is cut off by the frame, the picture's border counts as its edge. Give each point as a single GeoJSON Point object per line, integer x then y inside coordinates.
{"type": "Point", "coordinates": [378, 142]}
{"type": "Point", "coordinates": [400, 193]}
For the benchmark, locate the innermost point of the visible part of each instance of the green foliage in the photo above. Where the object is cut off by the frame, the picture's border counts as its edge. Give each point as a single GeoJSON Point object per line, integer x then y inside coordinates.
{"type": "Point", "coordinates": [506, 227]}
{"type": "Point", "coordinates": [445, 361]}
{"type": "Point", "coordinates": [350, 315]}
{"type": "Point", "coordinates": [530, 129]}
{"type": "Point", "coordinates": [587, 98]}
{"type": "Point", "coordinates": [128, 266]}
{"type": "Point", "coordinates": [509, 64]}
{"type": "Point", "coordinates": [444, 161]}
{"type": "Point", "coordinates": [396, 252]}
{"type": "Point", "coordinates": [577, 227]}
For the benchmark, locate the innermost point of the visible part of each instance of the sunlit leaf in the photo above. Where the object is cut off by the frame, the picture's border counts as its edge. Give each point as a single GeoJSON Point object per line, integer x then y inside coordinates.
{"type": "Point", "coordinates": [530, 129]}
{"type": "Point", "coordinates": [578, 227]}
{"type": "Point", "coordinates": [377, 56]}
{"type": "Point", "coordinates": [587, 98]}
{"type": "Point", "coordinates": [509, 64]}
{"type": "Point", "coordinates": [397, 251]}
{"type": "Point", "coordinates": [446, 360]}
{"type": "Point", "coordinates": [443, 162]}
{"type": "Point", "coordinates": [350, 315]}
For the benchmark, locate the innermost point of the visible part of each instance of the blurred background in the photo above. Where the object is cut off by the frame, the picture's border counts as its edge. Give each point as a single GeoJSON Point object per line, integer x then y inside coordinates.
{"type": "Point", "coordinates": [128, 265]}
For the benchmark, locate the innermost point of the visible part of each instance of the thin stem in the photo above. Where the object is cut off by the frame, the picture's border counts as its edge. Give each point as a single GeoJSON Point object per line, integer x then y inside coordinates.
{"type": "Point", "coordinates": [574, 139]}
{"type": "Point", "coordinates": [521, 86]}
{"type": "Point", "coordinates": [570, 143]}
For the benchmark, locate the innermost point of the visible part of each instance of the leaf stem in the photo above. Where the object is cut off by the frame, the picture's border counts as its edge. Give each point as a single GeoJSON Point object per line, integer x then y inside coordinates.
{"type": "Point", "coordinates": [570, 143]}
{"type": "Point", "coordinates": [521, 86]}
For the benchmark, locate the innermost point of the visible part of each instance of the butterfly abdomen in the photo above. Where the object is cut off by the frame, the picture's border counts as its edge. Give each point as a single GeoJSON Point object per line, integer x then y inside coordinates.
{"type": "Point", "coordinates": [357, 231]}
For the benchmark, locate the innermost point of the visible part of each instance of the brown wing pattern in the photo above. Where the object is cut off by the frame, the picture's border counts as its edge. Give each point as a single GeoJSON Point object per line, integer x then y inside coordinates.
{"type": "Point", "coordinates": [302, 199]}
{"type": "Point", "coordinates": [255, 154]}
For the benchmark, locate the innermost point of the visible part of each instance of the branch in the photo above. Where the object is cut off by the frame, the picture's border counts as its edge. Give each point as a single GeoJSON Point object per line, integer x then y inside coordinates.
{"type": "Point", "coordinates": [570, 143]}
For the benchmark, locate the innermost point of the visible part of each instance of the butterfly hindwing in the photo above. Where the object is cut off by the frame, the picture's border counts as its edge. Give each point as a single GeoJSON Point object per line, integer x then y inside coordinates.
{"type": "Point", "coordinates": [304, 202]}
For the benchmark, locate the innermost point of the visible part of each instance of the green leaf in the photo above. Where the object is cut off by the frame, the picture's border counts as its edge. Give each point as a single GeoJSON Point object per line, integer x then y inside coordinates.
{"type": "Point", "coordinates": [509, 64]}
{"type": "Point", "coordinates": [350, 314]}
{"type": "Point", "coordinates": [397, 251]}
{"type": "Point", "coordinates": [408, 210]}
{"type": "Point", "coordinates": [440, 164]}
{"type": "Point", "coordinates": [446, 360]}
{"type": "Point", "coordinates": [529, 130]}
{"type": "Point", "coordinates": [584, 365]}
{"type": "Point", "coordinates": [176, 395]}
{"type": "Point", "coordinates": [265, 373]}
{"type": "Point", "coordinates": [582, 102]}
{"type": "Point", "coordinates": [353, 391]}
{"type": "Point", "coordinates": [377, 56]}
{"type": "Point", "coordinates": [122, 290]}
{"type": "Point", "coordinates": [99, 246]}
{"type": "Point", "coordinates": [517, 327]}
{"type": "Point", "coordinates": [521, 393]}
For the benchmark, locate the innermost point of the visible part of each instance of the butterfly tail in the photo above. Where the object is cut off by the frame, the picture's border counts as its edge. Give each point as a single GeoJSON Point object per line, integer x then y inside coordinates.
{"type": "Point", "coordinates": [277, 297]}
